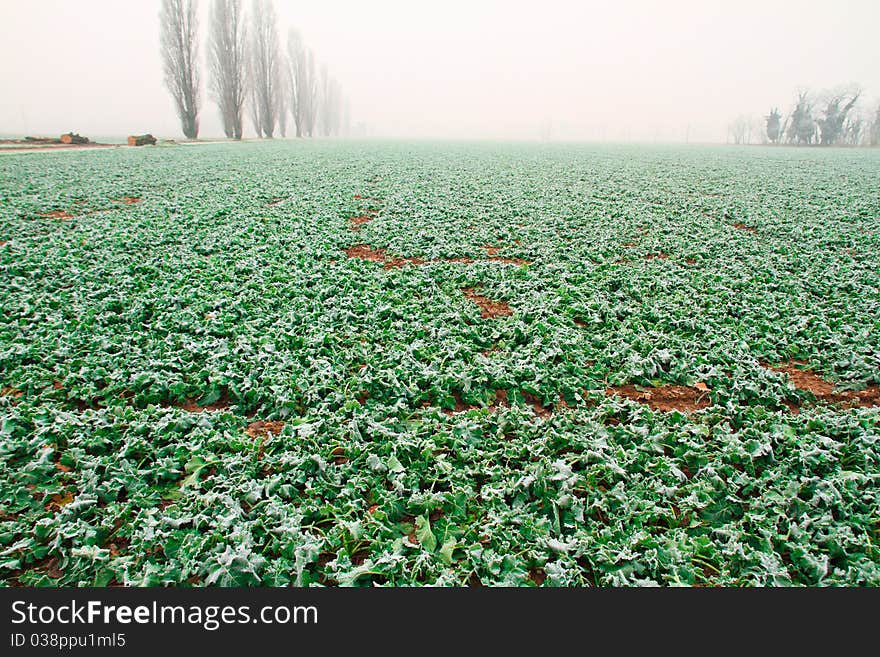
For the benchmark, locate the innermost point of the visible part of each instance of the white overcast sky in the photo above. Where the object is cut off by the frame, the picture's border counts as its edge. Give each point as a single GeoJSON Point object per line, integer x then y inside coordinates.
{"type": "Point", "coordinates": [462, 68]}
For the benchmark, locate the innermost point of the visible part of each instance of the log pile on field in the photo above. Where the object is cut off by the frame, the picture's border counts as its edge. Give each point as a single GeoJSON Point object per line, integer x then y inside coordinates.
{"type": "Point", "coordinates": [73, 138]}
{"type": "Point", "coordinates": [141, 140]}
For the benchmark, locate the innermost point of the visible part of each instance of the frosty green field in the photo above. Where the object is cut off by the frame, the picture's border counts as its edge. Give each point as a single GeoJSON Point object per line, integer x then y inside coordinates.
{"type": "Point", "coordinates": [562, 365]}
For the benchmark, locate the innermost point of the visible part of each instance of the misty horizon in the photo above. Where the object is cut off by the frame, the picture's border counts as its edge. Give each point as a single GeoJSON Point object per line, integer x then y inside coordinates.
{"type": "Point", "coordinates": [492, 70]}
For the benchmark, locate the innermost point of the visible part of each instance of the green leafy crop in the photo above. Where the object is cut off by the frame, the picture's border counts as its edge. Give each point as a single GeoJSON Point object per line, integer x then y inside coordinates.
{"type": "Point", "coordinates": [200, 386]}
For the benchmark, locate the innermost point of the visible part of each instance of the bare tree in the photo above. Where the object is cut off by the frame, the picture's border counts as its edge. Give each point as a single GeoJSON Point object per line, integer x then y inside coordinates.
{"type": "Point", "coordinates": [302, 84]}
{"type": "Point", "coordinates": [802, 125]}
{"type": "Point", "coordinates": [281, 98]}
{"type": "Point", "coordinates": [178, 37]}
{"type": "Point", "coordinates": [311, 94]}
{"type": "Point", "coordinates": [226, 62]}
{"type": "Point", "coordinates": [296, 76]}
{"type": "Point", "coordinates": [265, 67]}
{"type": "Point", "coordinates": [324, 115]}
{"type": "Point", "coordinates": [774, 126]}
{"type": "Point", "coordinates": [740, 130]}
{"type": "Point", "coordinates": [330, 110]}
{"type": "Point", "coordinates": [346, 118]}
{"type": "Point", "coordinates": [874, 137]}
{"type": "Point", "coordinates": [831, 126]}
{"type": "Point", "coordinates": [335, 108]}
{"type": "Point", "coordinates": [853, 132]}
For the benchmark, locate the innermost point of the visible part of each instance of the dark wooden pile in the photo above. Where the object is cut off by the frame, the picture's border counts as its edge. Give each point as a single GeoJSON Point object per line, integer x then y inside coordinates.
{"type": "Point", "coordinates": [141, 140]}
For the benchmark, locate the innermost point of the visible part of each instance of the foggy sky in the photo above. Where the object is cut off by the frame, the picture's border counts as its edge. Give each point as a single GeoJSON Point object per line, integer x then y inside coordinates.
{"type": "Point", "coordinates": [460, 69]}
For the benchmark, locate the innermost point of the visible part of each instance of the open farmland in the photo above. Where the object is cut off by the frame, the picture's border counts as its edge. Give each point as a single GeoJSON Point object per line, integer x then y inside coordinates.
{"type": "Point", "coordinates": [404, 363]}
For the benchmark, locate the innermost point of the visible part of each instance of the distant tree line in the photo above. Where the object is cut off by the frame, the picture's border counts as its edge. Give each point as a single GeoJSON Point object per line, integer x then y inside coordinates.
{"type": "Point", "coordinates": [829, 118]}
{"type": "Point", "coordinates": [248, 70]}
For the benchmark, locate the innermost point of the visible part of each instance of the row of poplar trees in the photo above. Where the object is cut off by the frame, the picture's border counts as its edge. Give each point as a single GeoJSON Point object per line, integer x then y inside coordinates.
{"type": "Point", "coordinates": [828, 120]}
{"type": "Point", "coordinates": [248, 70]}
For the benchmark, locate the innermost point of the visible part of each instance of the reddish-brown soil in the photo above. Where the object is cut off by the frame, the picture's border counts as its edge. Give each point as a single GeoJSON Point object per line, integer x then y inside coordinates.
{"type": "Point", "coordinates": [275, 201]}
{"type": "Point", "coordinates": [690, 261]}
{"type": "Point", "coordinates": [537, 405]}
{"type": "Point", "coordinates": [339, 456]}
{"type": "Point", "coordinates": [9, 391]}
{"type": "Point", "coordinates": [510, 261]}
{"type": "Point", "coordinates": [493, 251]}
{"type": "Point", "coordinates": [57, 214]}
{"type": "Point", "coordinates": [4, 242]}
{"type": "Point", "coordinates": [489, 308]}
{"type": "Point", "coordinates": [355, 223]}
{"type": "Point", "coordinates": [629, 244]}
{"type": "Point", "coordinates": [657, 256]}
{"type": "Point", "coordinates": [190, 405]}
{"type": "Point", "coordinates": [742, 226]}
{"type": "Point", "coordinates": [537, 575]}
{"type": "Point", "coordinates": [665, 398]}
{"type": "Point", "coordinates": [500, 400]}
{"type": "Point", "coordinates": [824, 391]}
{"type": "Point", "coordinates": [461, 406]}
{"type": "Point", "coordinates": [391, 263]}
{"type": "Point", "coordinates": [579, 322]}
{"type": "Point", "coordinates": [806, 379]}
{"type": "Point", "coordinates": [128, 200]}
{"type": "Point", "coordinates": [262, 428]}
{"type": "Point", "coordinates": [59, 500]}
{"type": "Point", "coordinates": [364, 252]}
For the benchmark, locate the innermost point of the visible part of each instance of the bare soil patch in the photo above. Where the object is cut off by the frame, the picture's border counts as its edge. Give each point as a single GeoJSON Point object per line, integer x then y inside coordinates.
{"type": "Point", "coordinates": [690, 261]}
{"type": "Point", "coordinates": [665, 398]}
{"type": "Point", "coordinates": [493, 251]}
{"type": "Point", "coordinates": [355, 223]}
{"type": "Point", "coordinates": [537, 575]}
{"type": "Point", "coordinates": [391, 263]}
{"type": "Point", "coordinates": [537, 405]}
{"type": "Point", "coordinates": [510, 261]}
{"type": "Point", "coordinates": [460, 406]}
{"type": "Point", "coordinates": [364, 252]}
{"type": "Point", "coordinates": [57, 214]}
{"type": "Point", "coordinates": [804, 379]}
{"type": "Point", "coordinates": [128, 200]}
{"type": "Point", "coordinates": [489, 308]}
{"type": "Point", "coordinates": [262, 428]}
{"type": "Point", "coordinates": [190, 405]}
{"type": "Point", "coordinates": [657, 256]}
{"type": "Point", "coordinates": [742, 226]}
{"type": "Point", "coordinates": [824, 391]}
